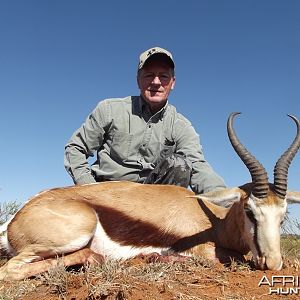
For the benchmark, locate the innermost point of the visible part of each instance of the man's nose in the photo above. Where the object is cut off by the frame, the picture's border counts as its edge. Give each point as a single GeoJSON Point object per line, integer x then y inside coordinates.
{"type": "Point", "coordinates": [156, 80]}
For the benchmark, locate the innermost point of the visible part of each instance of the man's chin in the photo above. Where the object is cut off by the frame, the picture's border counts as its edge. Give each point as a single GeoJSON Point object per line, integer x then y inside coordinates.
{"type": "Point", "coordinates": [156, 98]}
{"type": "Point", "coordinates": [157, 102]}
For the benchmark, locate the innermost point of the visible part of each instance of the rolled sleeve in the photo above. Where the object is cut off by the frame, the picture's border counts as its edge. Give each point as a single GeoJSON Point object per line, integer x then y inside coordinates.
{"type": "Point", "coordinates": [83, 143]}
{"type": "Point", "coordinates": [204, 178]}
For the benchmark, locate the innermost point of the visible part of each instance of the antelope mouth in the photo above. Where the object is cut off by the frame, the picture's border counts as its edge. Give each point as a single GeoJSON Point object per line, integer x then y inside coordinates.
{"type": "Point", "coordinates": [263, 263]}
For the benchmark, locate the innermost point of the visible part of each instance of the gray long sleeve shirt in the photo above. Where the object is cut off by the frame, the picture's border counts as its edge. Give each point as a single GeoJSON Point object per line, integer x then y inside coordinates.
{"type": "Point", "coordinates": [128, 141]}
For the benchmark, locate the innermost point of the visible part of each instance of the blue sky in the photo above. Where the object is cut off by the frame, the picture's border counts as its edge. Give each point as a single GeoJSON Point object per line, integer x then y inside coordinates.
{"type": "Point", "coordinates": [59, 58]}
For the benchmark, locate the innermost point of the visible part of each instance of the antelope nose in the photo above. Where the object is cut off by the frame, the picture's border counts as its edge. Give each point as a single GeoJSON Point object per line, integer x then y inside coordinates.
{"type": "Point", "coordinates": [274, 264]}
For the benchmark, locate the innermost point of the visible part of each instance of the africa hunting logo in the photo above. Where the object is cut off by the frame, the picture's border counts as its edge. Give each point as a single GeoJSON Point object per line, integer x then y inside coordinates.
{"type": "Point", "coordinates": [281, 284]}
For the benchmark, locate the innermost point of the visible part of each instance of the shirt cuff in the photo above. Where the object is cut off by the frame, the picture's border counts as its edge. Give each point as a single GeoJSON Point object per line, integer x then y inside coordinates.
{"type": "Point", "coordinates": [85, 179]}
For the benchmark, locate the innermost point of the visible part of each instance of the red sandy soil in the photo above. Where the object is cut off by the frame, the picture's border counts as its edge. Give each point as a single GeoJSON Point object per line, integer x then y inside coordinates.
{"type": "Point", "coordinates": [179, 282]}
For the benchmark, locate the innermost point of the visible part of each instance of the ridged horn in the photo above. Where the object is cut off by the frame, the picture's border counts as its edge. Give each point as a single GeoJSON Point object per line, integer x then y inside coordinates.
{"type": "Point", "coordinates": [258, 173]}
{"type": "Point", "coordinates": [283, 163]}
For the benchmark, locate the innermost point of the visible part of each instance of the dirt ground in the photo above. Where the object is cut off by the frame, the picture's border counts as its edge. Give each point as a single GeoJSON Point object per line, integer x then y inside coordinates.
{"type": "Point", "coordinates": [137, 280]}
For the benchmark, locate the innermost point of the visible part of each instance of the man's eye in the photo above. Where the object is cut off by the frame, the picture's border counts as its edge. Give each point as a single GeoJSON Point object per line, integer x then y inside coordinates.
{"type": "Point", "coordinates": [148, 76]}
{"type": "Point", "coordinates": [164, 77]}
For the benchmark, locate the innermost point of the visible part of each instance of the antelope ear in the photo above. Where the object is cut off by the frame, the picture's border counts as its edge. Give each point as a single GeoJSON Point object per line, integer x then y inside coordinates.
{"type": "Point", "coordinates": [293, 197]}
{"type": "Point", "coordinates": [224, 198]}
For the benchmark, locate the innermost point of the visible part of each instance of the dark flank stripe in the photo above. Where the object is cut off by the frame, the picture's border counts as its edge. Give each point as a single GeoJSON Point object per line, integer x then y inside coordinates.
{"type": "Point", "coordinates": [128, 231]}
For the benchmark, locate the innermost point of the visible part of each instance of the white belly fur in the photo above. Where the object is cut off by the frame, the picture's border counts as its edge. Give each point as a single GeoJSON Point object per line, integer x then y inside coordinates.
{"type": "Point", "coordinates": [102, 244]}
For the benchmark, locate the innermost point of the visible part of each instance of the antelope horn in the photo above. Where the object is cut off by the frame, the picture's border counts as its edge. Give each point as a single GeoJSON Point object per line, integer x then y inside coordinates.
{"type": "Point", "coordinates": [283, 163]}
{"type": "Point", "coordinates": [258, 173]}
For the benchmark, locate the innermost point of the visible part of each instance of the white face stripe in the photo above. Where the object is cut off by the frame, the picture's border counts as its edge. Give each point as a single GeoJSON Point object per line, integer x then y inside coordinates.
{"type": "Point", "coordinates": [102, 244]}
{"type": "Point", "coordinates": [266, 230]}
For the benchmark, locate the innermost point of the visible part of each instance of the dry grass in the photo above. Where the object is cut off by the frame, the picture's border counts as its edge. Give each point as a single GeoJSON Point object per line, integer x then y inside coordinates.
{"type": "Point", "coordinates": [290, 242]}
{"type": "Point", "coordinates": [16, 291]}
{"type": "Point", "coordinates": [116, 278]}
{"type": "Point", "coordinates": [119, 277]}
{"type": "Point", "coordinates": [125, 280]}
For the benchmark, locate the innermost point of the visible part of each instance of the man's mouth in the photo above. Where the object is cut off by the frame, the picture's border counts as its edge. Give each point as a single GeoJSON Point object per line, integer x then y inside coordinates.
{"type": "Point", "coordinates": [154, 91]}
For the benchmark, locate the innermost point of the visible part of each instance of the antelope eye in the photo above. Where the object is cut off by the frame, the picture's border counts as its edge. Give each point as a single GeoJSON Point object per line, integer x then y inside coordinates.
{"type": "Point", "coordinates": [282, 221]}
{"type": "Point", "coordinates": [285, 218]}
{"type": "Point", "coordinates": [250, 214]}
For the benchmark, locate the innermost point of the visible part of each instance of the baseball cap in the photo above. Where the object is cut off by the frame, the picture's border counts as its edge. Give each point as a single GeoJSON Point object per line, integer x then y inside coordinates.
{"type": "Point", "coordinates": [156, 51]}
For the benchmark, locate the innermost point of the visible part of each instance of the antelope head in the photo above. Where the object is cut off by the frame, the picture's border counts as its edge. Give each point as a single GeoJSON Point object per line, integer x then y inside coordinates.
{"type": "Point", "coordinates": [265, 205]}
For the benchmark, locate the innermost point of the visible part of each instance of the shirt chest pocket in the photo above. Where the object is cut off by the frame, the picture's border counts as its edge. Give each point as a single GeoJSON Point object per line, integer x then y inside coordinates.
{"type": "Point", "coordinates": [121, 145]}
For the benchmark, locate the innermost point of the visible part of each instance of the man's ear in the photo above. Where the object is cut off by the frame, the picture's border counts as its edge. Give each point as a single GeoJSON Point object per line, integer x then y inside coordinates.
{"type": "Point", "coordinates": [173, 84]}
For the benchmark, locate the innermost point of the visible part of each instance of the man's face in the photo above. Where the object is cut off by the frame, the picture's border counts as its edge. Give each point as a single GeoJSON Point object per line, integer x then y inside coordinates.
{"type": "Point", "coordinates": [156, 80]}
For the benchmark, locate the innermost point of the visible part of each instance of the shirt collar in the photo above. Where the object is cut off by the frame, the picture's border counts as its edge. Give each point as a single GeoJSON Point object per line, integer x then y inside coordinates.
{"type": "Point", "coordinates": [145, 109]}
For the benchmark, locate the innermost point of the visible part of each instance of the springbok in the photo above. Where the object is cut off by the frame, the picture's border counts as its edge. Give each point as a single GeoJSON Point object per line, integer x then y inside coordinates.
{"type": "Point", "coordinates": [120, 220]}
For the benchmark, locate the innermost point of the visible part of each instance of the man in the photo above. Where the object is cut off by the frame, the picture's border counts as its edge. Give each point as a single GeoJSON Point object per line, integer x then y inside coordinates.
{"type": "Point", "coordinates": [142, 138]}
